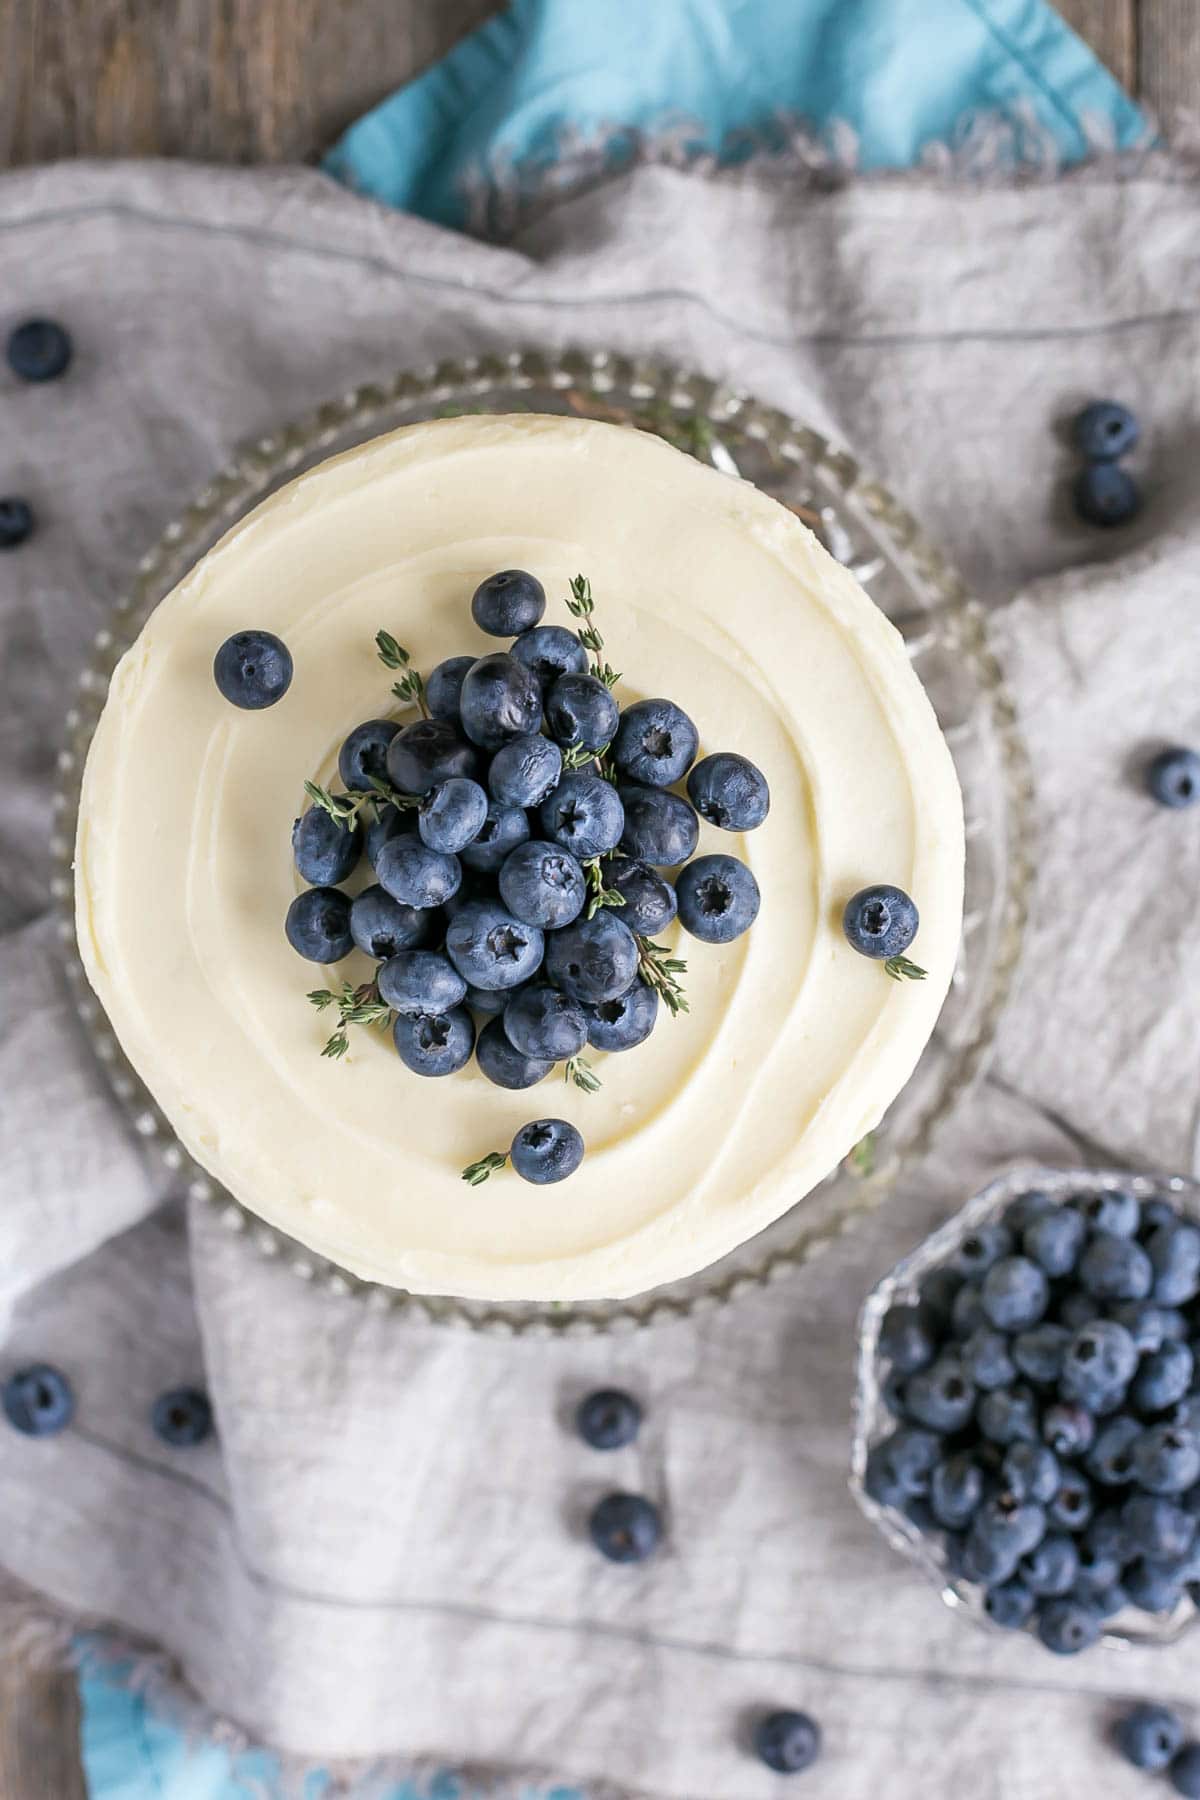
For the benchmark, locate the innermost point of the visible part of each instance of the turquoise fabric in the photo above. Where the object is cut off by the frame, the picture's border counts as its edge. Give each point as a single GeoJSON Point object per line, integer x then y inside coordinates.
{"type": "Point", "coordinates": [876, 80]}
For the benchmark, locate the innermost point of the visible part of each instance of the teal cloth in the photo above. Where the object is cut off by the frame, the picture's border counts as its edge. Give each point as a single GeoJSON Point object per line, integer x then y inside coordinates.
{"type": "Point", "coordinates": [878, 82]}
{"type": "Point", "coordinates": [875, 82]}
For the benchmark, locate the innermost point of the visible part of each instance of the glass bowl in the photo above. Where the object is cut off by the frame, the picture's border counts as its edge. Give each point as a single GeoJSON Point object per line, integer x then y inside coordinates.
{"type": "Point", "coordinates": [865, 527]}
{"type": "Point", "coordinates": [872, 1421]}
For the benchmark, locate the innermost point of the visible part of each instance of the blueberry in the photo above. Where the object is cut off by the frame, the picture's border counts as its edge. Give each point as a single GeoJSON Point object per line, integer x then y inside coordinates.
{"type": "Point", "coordinates": [550, 651]}
{"type": "Point", "coordinates": [1149, 1326]}
{"type": "Point", "coordinates": [908, 1338]}
{"type": "Point", "coordinates": [1157, 1212]}
{"type": "Point", "coordinates": [580, 710]}
{"type": "Point", "coordinates": [659, 827]}
{"type": "Point", "coordinates": [1174, 1252]}
{"type": "Point", "coordinates": [987, 1360]}
{"type": "Point", "coordinates": [1076, 1309]}
{"type": "Point", "coordinates": [1105, 430]}
{"type": "Point", "coordinates": [508, 603]}
{"type": "Point", "coordinates": [503, 1064]}
{"type": "Point", "coordinates": [1010, 1604]}
{"type": "Point", "coordinates": [1099, 1570]}
{"type": "Point", "coordinates": [501, 700]}
{"type": "Point", "coordinates": [1008, 1415]}
{"type": "Point", "coordinates": [656, 743]}
{"type": "Point", "coordinates": [1015, 1293]}
{"type": "Point", "coordinates": [426, 752]}
{"type": "Point", "coordinates": [941, 1397]}
{"type": "Point", "coordinates": [1166, 1459]}
{"type": "Point", "coordinates": [593, 960]}
{"type": "Point", "coordinates": [1113, 1210]}
{"type": "Point", "coordinates": [1173, 777]}
{"type": "Point", "coordinates": [543, 885]}
{"type": "Point", "coordinates": [1154, 1586]}
{"type": "Point", "coordinates": [182, 1417]}
{"type": "Point", "coordinates": [1068, 1626]}
{"type": "Point", "coordinates": [980, 1249]}
{"type": "Point", "coordinates": [318, 925]}
{"type": "Point", "coordinates": [1051, 1567]}
{"type": "Point", "coordinates": [891, 1393]}
{"type": "Point", "coordinates": [525, 772]}
{"type": "Point", "coordinates": [626, 1021]}
{"type": "Point", "coordinates": [608, 1419]}
{"type": "Point", "coordinates": [389, 822]}
{"type": "Point", "coordinates": [451, 814]}
{"type": "Point", "coordinates": [1110, 1459]}
{"type": "Point", "coordinates": [380, 926]}
{"type": "Point", "coordinates": [914, 1455]}
{"type": "Point", "coordinates": [650, 903]}
{"type": "Point", "coordinates": [1004, 1530]}
{"type": "Point", "coordinates": [502, 830]}
{"type": "Point", "coordinates": [584, 814]}
{"type": "Point", "coordinates": [1055, 1240]}
{"type": "Point", "coordinates": [1104, 1536]}
{"type": "Point", "coordinates": [1020, 1213]}
{"type": "Point", "coordinates": [718, 898]}
{"type": "Point", "coordinates": [38, 350]}
{"type": "Point", "coordinates": [880, 921]}
{"type": "Point", "coordinates": [1149, 1737]}
{"type": "Point", "coordinates": [435, 1043]}
{"type": "Point", "coordinates": [1030, 1472]}
{"type": "Point", "coordinates": [415, 875]}
{"type": "Point", "coordinates": [421, 981]}
{"type": "Point", "coordinates": [16, 521]}
{"type": "Point", "coordinates": [1099, 1365]}
{"type": "Point", "coordinates": [939, 1290]}
{"type": "Point", "coordinates": [968, 1316]}
{"type": "Point", "coordinates": [546, 1150]}
{"type": "Point", "coordinates": [542, 1022]}
{"type": "Point", "coordinates": [1072, 1505]}
{"type": "Point", "coordinates": [1068, 1428]}
{"type": "Point", "coordinates": [362, 759]}
{"type": "Point", "coordinates": [1183, 1772]}
{"type": "Point", "coordinates": [38, 1401]}
{"type": "Point", "coordinates": [1115, 1268]}
{"type": "Point", "coordinates": [787, 1742]}
{"type": "Point", "coordinates": [728, 791]}
{"type": "Point", "coordinates": [443, 689]}
{"type": "Point", "coordinates": [1156, 1528]}
{"type": "Point", "coordinates": [490, 948]}
{"type": "Point", "coordinates": [1164, 1377]}
{"type": "Point", "coordinates": [956, 1490]}
{"type": "Point", "coordinates": [880, 1479]}
{"type": "Point", "coordinates": [325, 849]}
{"type": "Point", "coordinates": [253, 669]}
{"type": "Point", "coordinates": [488, 1002]}
{"type": "Point", "coordinates": [1038, 1352]}
{"type": "Point", "coordinates": [1106, 494]}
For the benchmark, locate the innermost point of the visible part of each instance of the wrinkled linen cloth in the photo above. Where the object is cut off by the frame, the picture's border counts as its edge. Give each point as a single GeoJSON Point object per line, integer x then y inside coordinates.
{"type": "Point", "coordinates": [381, 1555]}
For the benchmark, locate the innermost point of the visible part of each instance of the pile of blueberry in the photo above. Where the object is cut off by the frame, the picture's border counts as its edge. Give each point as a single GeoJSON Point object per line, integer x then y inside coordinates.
{"type": "Point", "coordinates": [1045, 1387]}
{"type": "Point", "coordinates": [529, 840]}
{"type": "Point", "coordinates": [1105, 493]}
{"type": "Point", "coordinates": [1153, 1738]}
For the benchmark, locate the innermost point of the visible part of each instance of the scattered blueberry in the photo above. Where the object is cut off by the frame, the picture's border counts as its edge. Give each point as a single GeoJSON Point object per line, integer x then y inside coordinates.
{"type": "Point", "coordinates": [580, 710]}
{"type": "Point", "coordinates": [626, 1528]}
{"type": "Point", "coordinates": [624, 1022]}
{"type": "Point", "coordinates": [1106, 430]}
{"type": "Point", "coordinates": [550, 651]}
{"type": "Point", "coordinates": [660, 828]}
{"type": "Point", "coordinates": [880, 921]}
{"type": "Point", "coordinates": [38, 350]}
{"type": "Point", "coordinates": [650, 904]}
{"type": "Point", "coordinates": [380, 926]}
{"type": "Point", "coordinates": [421, 981]}
{"type": "Point", "coordinates": [435, 1043]}
{"type": "Point", "coordinates": [525, 772]}
{"type": "Point", "coordinates": [502, 1063]}
{"type": "Point", "coordinates": [593, 960]}
{"type": "Point", "coordinates": [492, 949]}
{"type": "Point", "coordinates": [451, 814]}
{"type": "Point", "coordinates": [325, 849]}
{"type": "Point", "coordinates": [1068, 1626]}
{"type": "Point", "coordinates": [1174, 777]}
{"type": "Point", "coordinates": [1106, 495]}
{"type": "Point", "coordinates": [253, 669]}
{"type": "Point", "coordinates": [1183, 1772]}
{"type": "Point", "coordinates": [362, 759]}
{"type": "Point", "coordinates": [718, 898]}
{"type": "Point", "coordinates": [584, 815]}
{"type": "Point", "coordinates": [318, 925]}
{"type": "Point", "coordinates": [38, 1401]}
{"type": "Point", "coordinates": [16, 521]}
{"type": "Point", "coordinates": [415, 875]}
{"type": "Point", "coordinates": [788, 1742]}
{"type": "Point", "coordinates": [608, 1419]}
{"type": "Point", "coordinates": [182, 1417]}
{"type": "Point", "coordinates": [426, 752]}
{"type": "Point", "coordinates": [728, 791]}
{"type": "Point", "coordinates": [543, 884]}
{"type": "Point", "coordinates": [500, 700]}
{"type": "Point", "coordinates": [656, 743]}
{"type": "Point", "coordinates": [508, 603]}
{"type": "Point", "coordinates": [502, 830]}
{"type": "Point", "coordinates": [1015, 1293]}
{"type": "Point", "coordinates": [443, 689]}
{"type": "Point", "coordinates": [543, 1022]}
{"type": "Point", "coordinates": [1149, 1737]}
{"type": "Point", "coordinates": [546, 1150]}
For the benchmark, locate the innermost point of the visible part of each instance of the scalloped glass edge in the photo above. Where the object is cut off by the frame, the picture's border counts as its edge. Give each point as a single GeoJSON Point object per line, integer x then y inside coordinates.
{"type": "Point", "coordinates": [870, 1414]}
{"type": "Point", "coordinates": [694, 410]}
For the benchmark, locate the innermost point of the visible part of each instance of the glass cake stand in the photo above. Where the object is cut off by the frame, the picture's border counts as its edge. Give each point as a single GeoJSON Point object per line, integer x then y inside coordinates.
{"type": "Point", "coordinates": [865, 527]}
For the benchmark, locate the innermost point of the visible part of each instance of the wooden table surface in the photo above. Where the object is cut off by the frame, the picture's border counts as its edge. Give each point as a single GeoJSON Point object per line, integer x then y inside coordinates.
{"type": "Point", "coordinates": [276, 80]}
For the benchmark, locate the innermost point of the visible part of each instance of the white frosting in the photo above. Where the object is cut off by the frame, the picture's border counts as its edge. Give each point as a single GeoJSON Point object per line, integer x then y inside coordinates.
{"type": "Point", "coordinates": [706, 591]}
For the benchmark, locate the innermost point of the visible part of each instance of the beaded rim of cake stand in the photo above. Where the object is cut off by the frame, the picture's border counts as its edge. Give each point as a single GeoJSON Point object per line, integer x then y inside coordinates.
{"type": "Point", "coordinates": [871, 1418]}
{"type": "Point", "coordinates": [715, 423]}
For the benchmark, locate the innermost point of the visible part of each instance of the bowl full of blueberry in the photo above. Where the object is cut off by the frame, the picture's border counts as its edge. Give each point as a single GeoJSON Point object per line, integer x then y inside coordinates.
{"type": "Point", "coordinates": [1027, 1419]}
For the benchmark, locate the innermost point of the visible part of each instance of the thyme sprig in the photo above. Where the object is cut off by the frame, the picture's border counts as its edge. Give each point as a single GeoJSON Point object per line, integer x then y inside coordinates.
{"type": "Point", "coordinates": [355, 1006]}
{"type": "Point", "coordinates": [861, 1160]}
{"type": "Point", "coordinates": [900, 969]}
{"type": "Point", "coordinates": [410, 688]}
{"type": "Point", "coordinates": [581, 605]}
{"type": "Point", "coordinates": [581, 1072]}
{"type": "Point", "coordinates": [345, 808]}
{"type": "Point", "coordinates": [598, 894]}
{"type": "Point", "coordinates": [659, 970]}
{"type": "Point", "coordinates": [478, 1172]}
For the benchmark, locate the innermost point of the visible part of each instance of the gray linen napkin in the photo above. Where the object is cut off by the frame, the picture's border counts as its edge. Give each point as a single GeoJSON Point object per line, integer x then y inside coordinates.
{"type": "Point", "coordinates": [382, 1556]}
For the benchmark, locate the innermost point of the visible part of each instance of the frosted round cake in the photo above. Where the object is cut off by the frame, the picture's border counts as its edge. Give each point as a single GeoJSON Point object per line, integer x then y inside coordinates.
{"type": "Point", "coordinates": [711, 593]}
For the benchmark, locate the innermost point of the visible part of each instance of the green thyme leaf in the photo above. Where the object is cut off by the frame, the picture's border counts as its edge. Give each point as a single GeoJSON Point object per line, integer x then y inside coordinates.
{"type": "Point", "coordinates": [581, 1072]}
{"type": "Point", "coordinates": [598, 894]}
{"type": "Point", "coordinates": [862, 1158]}
{"type": "Point", "coordinates": [477, 1172]}
{"type": "Point", "coordinates": [659, 970]}
{"type": "Point", "coordinates": [900, 969]}
{"type": "Point", "coordinates": [391, 654]}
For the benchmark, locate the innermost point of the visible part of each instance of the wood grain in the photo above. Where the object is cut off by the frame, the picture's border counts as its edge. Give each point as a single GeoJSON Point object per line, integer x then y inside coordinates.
{"type": "Point", "coordinates": [1111, 28]}
{"type": "Point", "coordinates": [39, 1734]}
{"type": "Point", "coordinates": [1169, 58]}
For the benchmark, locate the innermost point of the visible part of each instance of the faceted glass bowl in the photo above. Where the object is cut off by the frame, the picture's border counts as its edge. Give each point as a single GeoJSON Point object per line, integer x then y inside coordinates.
{"type": "Point", "coordinates": [872, 1420]}
{"type": "Point", "coordinates": [865, 527]}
